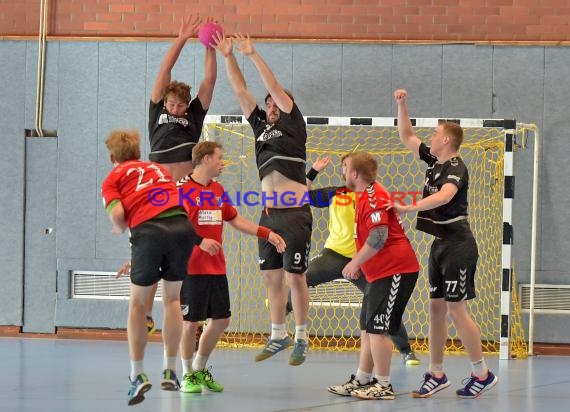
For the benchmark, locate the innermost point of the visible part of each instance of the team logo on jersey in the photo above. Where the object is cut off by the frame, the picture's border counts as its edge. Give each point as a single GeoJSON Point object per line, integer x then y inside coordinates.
{"type": "Point", "coordinates": [456, 178]}
{"type": "Point", "coordinates": [166, 118]}
{"type": "Point", "coordinates": [375, 217]}
{"type": "Point", "coordinates": [269, 134]}
{"type": "Point", "coordinates": [436, 176]}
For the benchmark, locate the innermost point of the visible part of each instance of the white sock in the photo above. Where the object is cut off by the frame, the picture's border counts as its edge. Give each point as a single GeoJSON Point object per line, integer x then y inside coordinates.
{"type": "Point", "coordinates": [136, 369]}
{"type": "Point", "coordinates": [186, 366]}
{"type": "Point", "coordinates": [199, 362]}
{"type": "Point", "coordinates": [301, 332]}
{"type": "Point", "coordinates": [479, 368]}
{"type": "Point", "coordinates": [436, 369]}
{"type": "Point", "coordinates": [278, 331]}
{"type": "Point", "coordinates": [383, 380]}
{"type": "Point", "coordinates": [169, 362]}
{"type": "Point", "coordinates": [363, 377]}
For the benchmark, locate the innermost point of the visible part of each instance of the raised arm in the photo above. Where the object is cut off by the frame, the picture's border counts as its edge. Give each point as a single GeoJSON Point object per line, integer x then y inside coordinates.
{"type": "Point", "coordinates": [206, 90]}
{"type": "Point", "coordinates": [188, 28]}
{"type": "Point", "coordinates": [281, 99]}
{"type": "Point", "coordinates": [246, 100]}
{"type": "Point", "coordinates": [320, 164]}
{"type": "Point", "coordinates": [405, 129]}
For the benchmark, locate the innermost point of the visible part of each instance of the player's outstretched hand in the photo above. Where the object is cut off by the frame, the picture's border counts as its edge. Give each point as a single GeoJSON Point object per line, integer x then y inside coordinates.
{"type": "Point", "coordinates": [124, 270]}
{"type": "Point", "coordinates": [321, 163]}
{"type": "Point", "coordinates": [277, 241]}
{"type": "Point", "coordinates": [189, 26]}
{"type": "Point", "coordinates": [400, 95]}
{"type": "Point", "coordinates": [223, 44]}
{"type": "Point", "coordinates": [399, 208]}
{"type": "Point", "coordinates": [244, 44]}
{"type": "Point", "coordinates": [210, 246]}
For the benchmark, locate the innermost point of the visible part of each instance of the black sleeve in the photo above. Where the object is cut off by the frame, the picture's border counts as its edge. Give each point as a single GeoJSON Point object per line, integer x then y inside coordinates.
{"type": "Point", "coordinates": [457, 175]}
{"type": "Point", "coordinates": [322, 197]}
{"type": "Point", "coordinates": [197, 112]}
{"type": "Point", "coordinates": [154, 110]}
{"type": "Point", "coordinates": [426, 155]}
{"type": "Point", "coordinates": [257, 121]}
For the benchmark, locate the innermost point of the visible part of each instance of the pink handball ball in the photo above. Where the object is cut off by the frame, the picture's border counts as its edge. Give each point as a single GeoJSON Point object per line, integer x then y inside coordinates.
{"type": "Point", "coordinates": [207, 32]}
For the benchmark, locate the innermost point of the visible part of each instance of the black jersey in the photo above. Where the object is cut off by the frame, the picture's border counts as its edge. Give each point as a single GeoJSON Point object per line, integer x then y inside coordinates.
{"type": "Point", "coordinates": [173, 138]}
{"type": "Point", "coordinates": [449, 221]}
{"type": "Point", "coordinates": [280, 146]}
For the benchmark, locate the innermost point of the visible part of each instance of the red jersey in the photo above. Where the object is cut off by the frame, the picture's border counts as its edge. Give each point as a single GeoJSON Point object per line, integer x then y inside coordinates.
{"type": "Point", "coordinates": [397, 255]}
{"type": "Point", "coordinates": [207, 210]}
{"type": "Point", "coordinates": [145, 190]}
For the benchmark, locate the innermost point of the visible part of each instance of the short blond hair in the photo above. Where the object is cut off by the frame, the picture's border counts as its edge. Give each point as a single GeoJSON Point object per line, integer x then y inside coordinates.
{"type": "Point", "coordinates": [455, 132]}
{"type": "Point", "coordinates": [364, 164]}
{"type": "Point", "coordinates": [124, 145]}
{"type": "Point", "coordinates": [203, 149]}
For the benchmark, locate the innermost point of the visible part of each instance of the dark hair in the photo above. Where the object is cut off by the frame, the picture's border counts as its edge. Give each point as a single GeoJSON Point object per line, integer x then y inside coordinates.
{"type": "Point", "coordinates": [178, 89]}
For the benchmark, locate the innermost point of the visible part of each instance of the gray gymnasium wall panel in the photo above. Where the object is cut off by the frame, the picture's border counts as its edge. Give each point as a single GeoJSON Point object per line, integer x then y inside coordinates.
{"type": "Point", "coordinates": [366, 81]}
{"type": "Point", "coordinates": [467, 80]}
{"type": "Point", "coordinates": [554, 241]}
{"type": "Point", "coordinates": [12, 109]}
{"type": "Point", "coordinates": [518, 93]}
{"type": "Point", "coordinates": [121, 105]}
{"type": "Point", "coordinates": [78, 193]}
{"type": "Point", "coordinates": [419, 70]}
{"type": "Point", "coordinates": [317, 79]}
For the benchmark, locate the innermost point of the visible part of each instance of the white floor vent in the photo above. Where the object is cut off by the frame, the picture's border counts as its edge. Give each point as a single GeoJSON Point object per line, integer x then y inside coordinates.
{"type": "Point", "coordinates": [547, 298]}
{"type": "Point", "coordinates": [89, 284]}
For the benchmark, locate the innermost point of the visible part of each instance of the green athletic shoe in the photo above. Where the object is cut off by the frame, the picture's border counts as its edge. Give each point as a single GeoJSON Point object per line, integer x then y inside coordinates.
{"type": "Point", "coordinates": [205, 378]}
{"type": "Point", "coordinates": [190, 384]}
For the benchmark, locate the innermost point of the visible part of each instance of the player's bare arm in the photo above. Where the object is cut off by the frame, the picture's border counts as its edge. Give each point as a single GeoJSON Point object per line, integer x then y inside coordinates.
{"type": "Point", "coordinates": [188, 27]}
{"type": "Point", "coordinates": [224, 45]}
{"type": "Point", "coordinates": [405, 129]}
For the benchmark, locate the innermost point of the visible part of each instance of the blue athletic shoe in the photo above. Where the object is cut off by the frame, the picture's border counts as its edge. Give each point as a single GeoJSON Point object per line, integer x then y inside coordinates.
{"type": "Point", "coordinates": [138, 388]}
{"type": "Point", "coordinates": [475, 387]}
{"type": "Point", "coordinates": [431, 385]}
{"type": "Point", "coordinates": [272, 347]}
{"type": "Point", "coordinates": [169, 381]}
{"type": "Point", "coordinates": [299, 353]}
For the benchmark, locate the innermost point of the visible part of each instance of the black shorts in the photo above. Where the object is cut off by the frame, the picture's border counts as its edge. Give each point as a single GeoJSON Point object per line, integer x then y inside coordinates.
{"type": "Point", "coordinates": [294, 225]}
{"type": "Point", "coordinates": [452, 266]}
{"type": "Point", "coordinates": [384, 303]}
{"type": "Point", "coordinates": [205, 296]}
{"type": "Point", "coordinates": [160, 249]}
{"type": "Point", "coordinates": [327, 266]}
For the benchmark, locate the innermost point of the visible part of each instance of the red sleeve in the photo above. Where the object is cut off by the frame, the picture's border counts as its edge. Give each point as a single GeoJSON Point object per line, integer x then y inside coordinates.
{"type": "Point", "coordinates": [110, 189]}
{"type": "Point", "coordinates": [375, 217]}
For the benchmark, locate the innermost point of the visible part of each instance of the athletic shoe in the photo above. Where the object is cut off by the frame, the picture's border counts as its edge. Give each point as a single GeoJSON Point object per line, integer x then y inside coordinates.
{"type": "Point", "coordinates": [431, 385]}
{"type": "Point", "coordinates": [138, 388]}
{"type": "Point", "coordinates": [150, 325]}
{"type": "Point", "coordinates": [299, 353]}
{"type": "Point", "coordinates": [272, 346]}
{"type": "Point", "coordinates": [351, 385]}
{"type": "Point", "coordinates": [190, 384]}
{"type": "Point", "coordinates": [375, 392]}
{"type": "Point", "coordinates": [169, 381]}
{"type": "Point", "coordinates": [410, 359]}
{"type": "Point", "coordinates": [475, 387]}
{"type": "Point", "coordinates": [205, 378]}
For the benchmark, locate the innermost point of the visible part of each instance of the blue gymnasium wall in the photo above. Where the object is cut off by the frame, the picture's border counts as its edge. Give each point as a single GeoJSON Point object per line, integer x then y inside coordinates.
{"type": "Point", "coordinates": [93, 87]}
